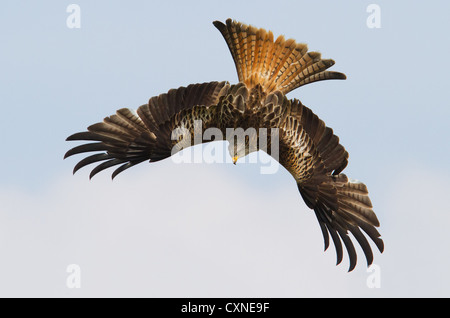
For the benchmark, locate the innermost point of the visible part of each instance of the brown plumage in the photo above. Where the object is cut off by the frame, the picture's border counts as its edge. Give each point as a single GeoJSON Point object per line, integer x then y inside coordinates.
{"type": "Point", "coordinates": [280, 65]}
{"type": "Point", "coordinates": [267, 69]}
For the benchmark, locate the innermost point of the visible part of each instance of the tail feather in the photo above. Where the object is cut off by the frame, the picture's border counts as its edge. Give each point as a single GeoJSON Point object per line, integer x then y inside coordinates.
{"type": "Point", "coordinates": [282, 65]}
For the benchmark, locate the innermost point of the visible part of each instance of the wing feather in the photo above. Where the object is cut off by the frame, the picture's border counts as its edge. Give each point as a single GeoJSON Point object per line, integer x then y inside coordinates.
{"type": "Point", "coordinates": [128, 138]}
{"type": "Point", "coordinates": [313, 155]}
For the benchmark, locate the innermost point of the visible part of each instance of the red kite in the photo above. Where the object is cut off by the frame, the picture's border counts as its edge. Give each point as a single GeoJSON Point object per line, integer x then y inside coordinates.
{"type": "Point", "coordinates": [267, 69]}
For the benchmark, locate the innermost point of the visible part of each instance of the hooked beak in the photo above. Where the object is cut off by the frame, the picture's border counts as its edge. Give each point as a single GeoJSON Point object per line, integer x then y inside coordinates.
{"type": "Point", "coordinates": [235, 158]}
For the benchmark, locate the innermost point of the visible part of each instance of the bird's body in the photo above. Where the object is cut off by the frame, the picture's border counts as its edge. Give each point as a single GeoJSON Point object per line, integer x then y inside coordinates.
{"type": "Point", "coordinates": [267, 71]}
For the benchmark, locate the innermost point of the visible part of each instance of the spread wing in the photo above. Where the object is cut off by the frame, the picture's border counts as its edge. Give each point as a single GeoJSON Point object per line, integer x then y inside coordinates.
{"type": "Point", "coordinates": [312, 154]}
{"type": "Point", "coordinates": [128, 138]}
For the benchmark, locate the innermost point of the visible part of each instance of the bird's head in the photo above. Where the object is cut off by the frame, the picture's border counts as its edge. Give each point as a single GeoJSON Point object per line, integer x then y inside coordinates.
{"type": "Point", "coordinates": [236, 151]}
{"type": "Point", "coordinates": [240, 145]}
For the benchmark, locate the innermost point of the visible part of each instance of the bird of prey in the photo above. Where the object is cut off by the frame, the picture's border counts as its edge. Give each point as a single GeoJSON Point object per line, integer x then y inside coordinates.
{"type": "Point", "coordinates": [267, 69]}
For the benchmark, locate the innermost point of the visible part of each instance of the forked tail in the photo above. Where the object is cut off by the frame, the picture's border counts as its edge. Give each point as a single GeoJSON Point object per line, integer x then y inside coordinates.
{"type": "Point", "coordinates": [280, 65]}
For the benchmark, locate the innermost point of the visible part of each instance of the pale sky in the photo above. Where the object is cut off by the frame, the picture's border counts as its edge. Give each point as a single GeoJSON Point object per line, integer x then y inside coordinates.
{"type": "Point", "coordinates": [218, 230]}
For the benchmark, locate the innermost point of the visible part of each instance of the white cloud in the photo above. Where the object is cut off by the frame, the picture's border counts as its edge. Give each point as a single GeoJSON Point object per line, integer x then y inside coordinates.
{"type": "Point", "coordinates": [416, 234]}
{"type": "Point", "coordinates": [169, 230]}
